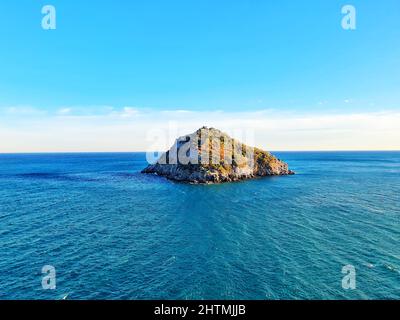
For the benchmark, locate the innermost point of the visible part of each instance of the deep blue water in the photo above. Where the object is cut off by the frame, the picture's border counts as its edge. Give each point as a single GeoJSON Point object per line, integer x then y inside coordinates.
{"type": "Point", "coordinates": [113, 233]}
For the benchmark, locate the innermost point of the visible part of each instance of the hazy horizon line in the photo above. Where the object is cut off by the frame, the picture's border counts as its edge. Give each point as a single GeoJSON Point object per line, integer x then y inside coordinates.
{"type": "Point", "coordinates": [110, 152]}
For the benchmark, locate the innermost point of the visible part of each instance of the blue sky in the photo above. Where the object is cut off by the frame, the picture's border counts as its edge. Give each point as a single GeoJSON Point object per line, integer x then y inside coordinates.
{"type": "Point", "coordinates": [107, 57]}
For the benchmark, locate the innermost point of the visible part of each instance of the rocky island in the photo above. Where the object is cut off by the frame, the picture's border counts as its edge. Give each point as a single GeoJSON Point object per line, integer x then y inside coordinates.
{"type": "Point", "coordinates": [211, 156]}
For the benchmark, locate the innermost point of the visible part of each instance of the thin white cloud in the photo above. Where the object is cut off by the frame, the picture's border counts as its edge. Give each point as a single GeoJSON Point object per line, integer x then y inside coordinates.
{"type": "Point", "coordinates": [64, 111]}
{"type": "Point", "coordinates": [21, 111]}
{"type": "Point", "coordinates": [134, 129]}
{"type": "Point", "coordinates": [126, 112]}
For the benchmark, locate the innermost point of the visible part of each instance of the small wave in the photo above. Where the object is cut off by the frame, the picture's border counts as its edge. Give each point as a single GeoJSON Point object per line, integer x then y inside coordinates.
{"type": "Point", "coordinates": [169, 261]}
{"type": "Point", "coordinates": [369, 265]}
{"type": "Point", "coordinates": [390, 267]}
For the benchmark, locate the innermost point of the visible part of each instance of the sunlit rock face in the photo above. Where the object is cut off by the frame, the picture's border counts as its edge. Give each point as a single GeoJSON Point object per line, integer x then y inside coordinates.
{"type": "Point", "coordinates": [211, 156]}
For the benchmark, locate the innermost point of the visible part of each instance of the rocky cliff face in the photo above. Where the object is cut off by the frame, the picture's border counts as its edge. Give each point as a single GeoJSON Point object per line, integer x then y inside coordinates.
{"type": "Point", "coordinates": [211, 156]}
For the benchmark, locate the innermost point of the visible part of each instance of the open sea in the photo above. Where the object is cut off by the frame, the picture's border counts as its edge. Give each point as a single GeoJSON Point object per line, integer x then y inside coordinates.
{"type": "Point", "coordinates": [113, 233]}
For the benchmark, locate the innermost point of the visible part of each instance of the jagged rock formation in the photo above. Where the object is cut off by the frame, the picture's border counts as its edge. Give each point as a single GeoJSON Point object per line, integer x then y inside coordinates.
{"type": "Point", "coordinates": [211, 156]}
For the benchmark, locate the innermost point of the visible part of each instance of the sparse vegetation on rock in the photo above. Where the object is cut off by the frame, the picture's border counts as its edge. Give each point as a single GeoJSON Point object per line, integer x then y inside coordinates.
{"type": "Point", "coordinates": [211, 156]}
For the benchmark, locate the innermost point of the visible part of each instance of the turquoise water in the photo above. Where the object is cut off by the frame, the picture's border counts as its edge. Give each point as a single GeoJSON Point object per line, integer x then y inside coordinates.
{"type": "Point", "coordinates": [113, 233]}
